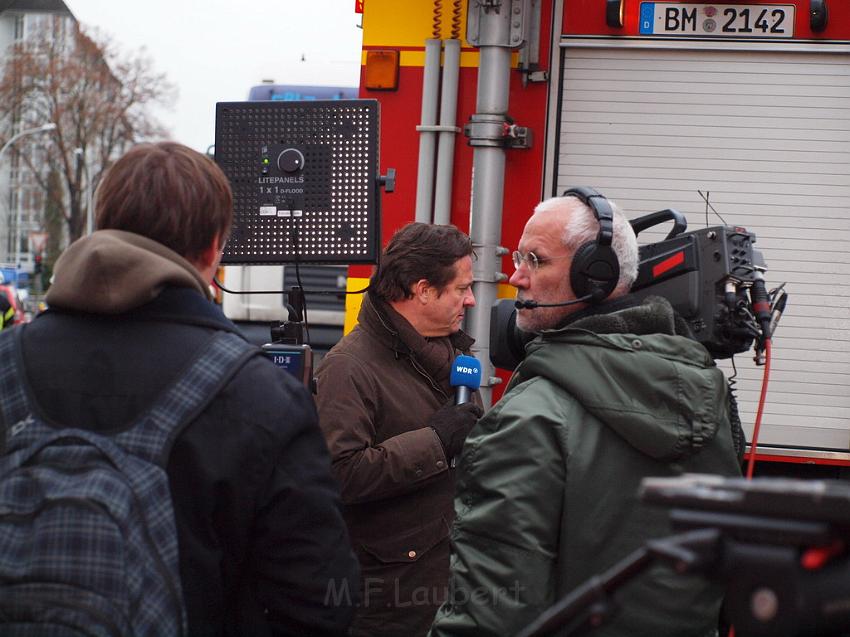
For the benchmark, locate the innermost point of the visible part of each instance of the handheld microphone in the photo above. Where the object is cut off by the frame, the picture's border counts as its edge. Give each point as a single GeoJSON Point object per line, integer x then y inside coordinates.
{"type": "Point", "coordinates": [530, 305]}
{"type": "Point", "coordinates": [778, 309]}
{"type": "Point", "coordinates": [466, 376]}
{"type": "Point", "coordinates": [761, 304]}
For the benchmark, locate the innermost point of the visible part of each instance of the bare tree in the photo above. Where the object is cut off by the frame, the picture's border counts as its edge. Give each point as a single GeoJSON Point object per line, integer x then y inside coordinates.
{"type": "Point", "coordinates": [99, 99]}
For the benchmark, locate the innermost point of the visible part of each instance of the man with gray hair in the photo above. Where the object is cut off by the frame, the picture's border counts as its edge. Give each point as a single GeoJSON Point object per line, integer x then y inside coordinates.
{"type": "Point", "coordinates": [612, 390]}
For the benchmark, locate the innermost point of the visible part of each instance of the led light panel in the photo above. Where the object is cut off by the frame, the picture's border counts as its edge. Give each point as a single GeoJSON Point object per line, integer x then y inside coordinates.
{"type": "Point", "coordinates": [304, 178]}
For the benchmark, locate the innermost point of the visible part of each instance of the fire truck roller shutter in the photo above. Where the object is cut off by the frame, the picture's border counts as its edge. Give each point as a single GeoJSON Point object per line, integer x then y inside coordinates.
{"type": "Point", "coordinates": [764, 129]}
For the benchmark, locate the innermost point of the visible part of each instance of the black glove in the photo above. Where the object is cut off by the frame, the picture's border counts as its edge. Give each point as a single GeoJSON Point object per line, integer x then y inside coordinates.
{"type": "Point", "coordinates": [452, 423]}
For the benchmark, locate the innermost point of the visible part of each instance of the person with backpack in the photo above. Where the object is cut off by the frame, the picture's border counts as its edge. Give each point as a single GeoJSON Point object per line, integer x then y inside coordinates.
{"type": "Point", "coordinates": [158, 475]}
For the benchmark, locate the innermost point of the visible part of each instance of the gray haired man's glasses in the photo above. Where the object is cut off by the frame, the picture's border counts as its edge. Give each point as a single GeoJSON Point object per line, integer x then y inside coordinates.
{"type": "Point", "coordinates": [532, 260]}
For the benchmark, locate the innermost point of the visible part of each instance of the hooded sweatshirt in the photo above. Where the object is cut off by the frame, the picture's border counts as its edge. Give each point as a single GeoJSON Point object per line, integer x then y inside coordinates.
{"type": "Point", "coordinates": [113, 271]}
{"type": "Point", "coordinates": [548, 481]}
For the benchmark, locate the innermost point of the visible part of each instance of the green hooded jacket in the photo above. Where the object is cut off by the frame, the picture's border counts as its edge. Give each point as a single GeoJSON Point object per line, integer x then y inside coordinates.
{"type": "Point", "coordinates": [548, 479]}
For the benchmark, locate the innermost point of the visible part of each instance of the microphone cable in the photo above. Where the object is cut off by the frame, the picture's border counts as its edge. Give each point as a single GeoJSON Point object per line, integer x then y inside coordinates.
{"type": "Point", "coordinates": [222, 287]}
{"type": "Point", "coordinates": [751, 463]}
{"type": "Point", "coordinates": [768, 308]}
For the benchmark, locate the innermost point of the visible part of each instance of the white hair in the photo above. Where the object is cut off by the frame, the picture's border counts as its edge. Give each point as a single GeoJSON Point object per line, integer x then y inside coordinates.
{"type": "Point", "coordinates": [582, 226]}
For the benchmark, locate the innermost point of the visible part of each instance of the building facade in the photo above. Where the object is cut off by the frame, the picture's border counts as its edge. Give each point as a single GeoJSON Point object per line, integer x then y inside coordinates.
{"type": "Point", "coordinates": [21, 196]}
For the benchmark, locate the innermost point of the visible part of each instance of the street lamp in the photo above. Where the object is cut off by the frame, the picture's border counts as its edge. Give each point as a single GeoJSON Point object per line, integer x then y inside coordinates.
{"type": "Point", "coordinates": [27, 131]}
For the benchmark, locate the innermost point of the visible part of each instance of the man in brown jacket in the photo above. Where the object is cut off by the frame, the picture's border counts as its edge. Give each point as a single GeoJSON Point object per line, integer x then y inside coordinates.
{"type": "Point", "coordinates": [387, 411]}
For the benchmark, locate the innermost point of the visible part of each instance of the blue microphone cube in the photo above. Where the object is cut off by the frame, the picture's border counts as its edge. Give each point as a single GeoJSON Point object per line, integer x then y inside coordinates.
{"type": "Point", "coordinates": [466, 372]}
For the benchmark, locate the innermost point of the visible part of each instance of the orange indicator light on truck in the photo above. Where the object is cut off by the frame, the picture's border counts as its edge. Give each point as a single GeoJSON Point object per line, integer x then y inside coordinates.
{"type": "Point", "coordinates": [381, 70]}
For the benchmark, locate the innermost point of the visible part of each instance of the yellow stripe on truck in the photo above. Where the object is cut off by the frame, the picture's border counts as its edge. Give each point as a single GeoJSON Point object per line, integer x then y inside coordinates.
{"type": "Point", "coordinates": [353, 302]}
{"type": "Point", "coordinates": [390, 23]}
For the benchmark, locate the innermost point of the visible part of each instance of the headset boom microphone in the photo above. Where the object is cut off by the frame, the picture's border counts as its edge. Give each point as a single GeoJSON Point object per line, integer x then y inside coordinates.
{"type": "Point", "coordinates": [595, 269]}
{"type": "Point", "coordinates": [530, 305]}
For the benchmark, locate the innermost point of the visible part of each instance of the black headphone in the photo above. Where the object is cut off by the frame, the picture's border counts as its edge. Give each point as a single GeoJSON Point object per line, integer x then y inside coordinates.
{"type": "Point", "coordinates": [595, 270]}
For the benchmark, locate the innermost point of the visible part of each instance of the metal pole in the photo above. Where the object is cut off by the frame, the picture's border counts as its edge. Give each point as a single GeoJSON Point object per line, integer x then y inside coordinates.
{"type": "Point", "coordinates": [488, 186]}
{"type": "Point", "coordinates": [89, 210]}
{"type": "Point", "coordinates": [18, 218]}
{"type": "Point", "coordinates": [448, 120]}
{"type": "Point", "coordinates": [427, 132]}
{"type": "Point", "coordinates": [83, 163]}
{"type": "Point", "coordinates": [486, 132]}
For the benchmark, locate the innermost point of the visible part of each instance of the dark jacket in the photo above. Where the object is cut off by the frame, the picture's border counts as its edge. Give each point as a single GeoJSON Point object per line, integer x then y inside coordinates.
{"type": "Point", "coordinates": [376, 390]}
{"type": "Point", "coordinates": [260, 534]}
{"type": "Point", "coordinates": [548, 479]}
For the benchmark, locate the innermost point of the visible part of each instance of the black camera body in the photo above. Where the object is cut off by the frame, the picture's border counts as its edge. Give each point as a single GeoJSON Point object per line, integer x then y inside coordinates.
{"type": "Point", "coordinates": [706, 275]}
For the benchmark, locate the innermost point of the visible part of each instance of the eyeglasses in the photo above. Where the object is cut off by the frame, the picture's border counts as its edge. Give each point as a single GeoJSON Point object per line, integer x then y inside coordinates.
{"type": "Point", "coordinates": [532, 260]}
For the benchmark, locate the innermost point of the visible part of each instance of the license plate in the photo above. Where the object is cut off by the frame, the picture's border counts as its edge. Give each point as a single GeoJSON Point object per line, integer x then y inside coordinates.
{"type": "Point", "coordinates": [723, 20]}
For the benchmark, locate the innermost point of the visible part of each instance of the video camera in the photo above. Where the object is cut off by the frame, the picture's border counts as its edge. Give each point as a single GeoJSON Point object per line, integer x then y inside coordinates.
{"type": "Point", "coordinates": [779, 547]}
{"type": "Point", "coordinates": [713, 277]}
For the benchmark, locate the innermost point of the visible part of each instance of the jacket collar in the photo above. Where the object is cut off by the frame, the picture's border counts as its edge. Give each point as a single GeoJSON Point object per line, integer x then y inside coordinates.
{"type": "Point", "coordinates": [435, 354]}
{"type": "Point", "coordinates": [629, 315]}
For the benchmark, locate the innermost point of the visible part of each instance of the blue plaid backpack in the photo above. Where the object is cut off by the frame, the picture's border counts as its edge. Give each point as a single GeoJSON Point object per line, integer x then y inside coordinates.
{"type": "Point", "coordinates": [88, 543]}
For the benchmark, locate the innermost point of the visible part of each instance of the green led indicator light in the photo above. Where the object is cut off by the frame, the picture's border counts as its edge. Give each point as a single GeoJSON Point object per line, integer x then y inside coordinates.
{"type": "Point", "coordinates": [265, 160]}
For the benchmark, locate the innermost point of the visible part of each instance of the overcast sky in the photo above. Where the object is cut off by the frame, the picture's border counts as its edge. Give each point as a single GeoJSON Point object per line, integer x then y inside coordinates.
{"type": "Point", "coordinates": [215, 50]}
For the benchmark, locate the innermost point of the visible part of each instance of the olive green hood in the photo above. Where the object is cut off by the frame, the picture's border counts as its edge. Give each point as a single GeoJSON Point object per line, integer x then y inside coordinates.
{"type": "Point", "coordinates": [667, 412]}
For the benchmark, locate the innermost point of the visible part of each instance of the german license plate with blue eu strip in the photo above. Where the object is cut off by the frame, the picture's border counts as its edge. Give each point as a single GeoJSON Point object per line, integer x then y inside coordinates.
{"type": "Point", "coordinates": [717, 20]}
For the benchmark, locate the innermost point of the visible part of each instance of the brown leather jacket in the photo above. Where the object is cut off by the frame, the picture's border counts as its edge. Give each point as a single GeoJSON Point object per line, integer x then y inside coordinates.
{"type": "Point", "coordinates": [376, 390]}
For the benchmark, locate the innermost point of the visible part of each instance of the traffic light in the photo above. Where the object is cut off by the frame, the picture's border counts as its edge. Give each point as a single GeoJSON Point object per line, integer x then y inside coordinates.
{"type": "Point", "coordinates": [37, 267]}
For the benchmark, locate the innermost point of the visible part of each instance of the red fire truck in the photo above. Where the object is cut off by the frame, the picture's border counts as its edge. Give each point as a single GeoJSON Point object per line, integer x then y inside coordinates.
{"type": "Point", "coordinates": [733, 114]}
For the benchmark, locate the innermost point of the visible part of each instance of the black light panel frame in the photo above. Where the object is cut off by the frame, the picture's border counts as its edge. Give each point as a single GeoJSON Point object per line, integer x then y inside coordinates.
{"type": "Point", "coordinates": [305, 180]}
